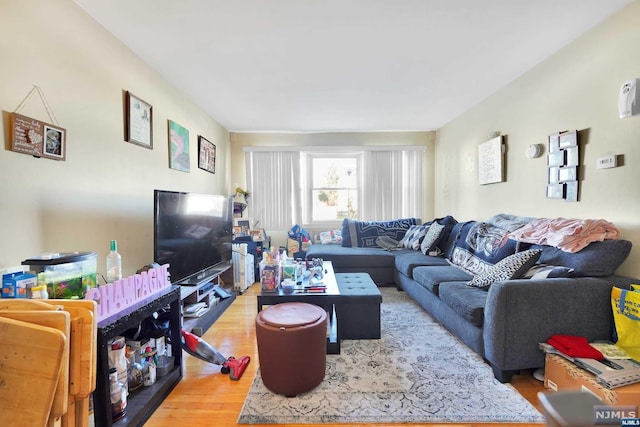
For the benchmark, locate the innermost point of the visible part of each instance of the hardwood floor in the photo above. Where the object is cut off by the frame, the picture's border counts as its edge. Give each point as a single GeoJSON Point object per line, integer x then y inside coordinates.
{"type": "Point", "coordinates": [205, 397]}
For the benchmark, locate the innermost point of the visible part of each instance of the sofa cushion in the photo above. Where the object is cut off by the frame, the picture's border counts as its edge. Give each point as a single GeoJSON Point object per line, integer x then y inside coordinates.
{"type": "Point", "coordinates": [480, 245]}
{"type": "Point", "coordinates": [512, 267]}
{"type": "Point", "coordinates": [597, 259]}
{"type": "Point", "coordinates": [406, 261]}
{"type": "Point", "coordinates": [349, 258]}
{"type": "Point", "coordinates": [468, 302]}
{"type": "Point", "coordinates": [430, 277]}
{"type": "Point", "coordinates": [363, 234]}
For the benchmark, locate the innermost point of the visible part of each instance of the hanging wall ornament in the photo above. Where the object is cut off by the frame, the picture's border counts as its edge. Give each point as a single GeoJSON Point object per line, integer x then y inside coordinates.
{"type": "Point", "coordinates": [34, 137]}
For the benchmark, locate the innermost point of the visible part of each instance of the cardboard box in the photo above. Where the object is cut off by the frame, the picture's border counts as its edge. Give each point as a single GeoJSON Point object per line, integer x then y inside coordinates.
{"type": "Point", "coordinates": [15, 285]}
{"type": "Point", "coordinates": [562, 375]}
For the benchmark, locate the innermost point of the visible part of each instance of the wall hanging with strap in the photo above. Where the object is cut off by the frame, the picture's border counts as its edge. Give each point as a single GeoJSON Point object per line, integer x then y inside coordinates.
{"type": "Point", "coordinates": [35, 137]}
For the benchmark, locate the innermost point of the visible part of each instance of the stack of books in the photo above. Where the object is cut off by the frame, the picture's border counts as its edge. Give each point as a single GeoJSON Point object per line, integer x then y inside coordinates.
{"type": "Point", "coordinates": [195, 310]}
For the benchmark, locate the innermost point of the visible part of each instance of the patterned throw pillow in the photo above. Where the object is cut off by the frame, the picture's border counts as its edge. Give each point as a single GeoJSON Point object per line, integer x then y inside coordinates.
{"type": "Point", "coordinates": [512, 267]}
{"type": "Point", "coordinates": [408, 236]}
{"type": "Point", "coordinates": [431, 238]}
{"type": "Point", "coordinates": [544, 271]}
{"type": "Point", "coordinates": [413, 237]}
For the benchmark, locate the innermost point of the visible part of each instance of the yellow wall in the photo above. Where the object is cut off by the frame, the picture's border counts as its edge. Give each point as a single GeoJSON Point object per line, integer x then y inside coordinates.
{"type": "Point", "coordinates": [338, 139]}
{"type": "Point", "coordinates": [104, 189]}
{"type": "Point", "coordinates": [576, 89]}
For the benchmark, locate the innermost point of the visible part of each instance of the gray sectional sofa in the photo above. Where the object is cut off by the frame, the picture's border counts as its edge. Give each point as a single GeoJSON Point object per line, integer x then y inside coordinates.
{"type": "Point", "coordinates": [505, 321]}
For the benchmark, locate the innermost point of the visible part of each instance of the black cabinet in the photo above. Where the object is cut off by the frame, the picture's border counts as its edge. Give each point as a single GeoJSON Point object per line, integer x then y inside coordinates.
{"type": "Point", "coordinates": [143, 402]}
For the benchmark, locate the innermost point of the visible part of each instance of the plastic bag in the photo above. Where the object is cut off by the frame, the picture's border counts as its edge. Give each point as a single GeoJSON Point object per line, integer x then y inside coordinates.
{"type": "Point", "coordinates": [626, 315]}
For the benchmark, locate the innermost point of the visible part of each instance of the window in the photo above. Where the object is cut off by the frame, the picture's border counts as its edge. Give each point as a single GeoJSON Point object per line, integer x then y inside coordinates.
{"type": "Point", "coordinates": [333, 184]}
{"type": "Point", "coordinates": [320, 186]}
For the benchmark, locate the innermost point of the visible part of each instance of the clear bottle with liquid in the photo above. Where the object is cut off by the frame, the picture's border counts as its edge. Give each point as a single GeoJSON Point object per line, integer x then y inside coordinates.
{"type": "Point", "coordinates": [114, 263]}
{"type": "Point", "coordinates": [118, 394]}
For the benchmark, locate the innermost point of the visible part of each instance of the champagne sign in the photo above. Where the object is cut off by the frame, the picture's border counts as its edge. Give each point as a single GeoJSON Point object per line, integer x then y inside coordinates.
{"type": "Point", "coordinates": [37, 138]}
{"type": "Point", "coordinates": [115, 297]}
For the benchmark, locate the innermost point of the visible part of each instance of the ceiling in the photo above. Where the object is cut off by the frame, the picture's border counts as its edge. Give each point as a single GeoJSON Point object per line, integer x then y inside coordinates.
{"type": "Point", "coordinates": [343, 65]}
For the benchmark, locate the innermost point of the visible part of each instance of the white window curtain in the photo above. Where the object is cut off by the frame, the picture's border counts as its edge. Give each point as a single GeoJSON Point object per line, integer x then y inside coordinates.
{"type": "Point", "coordinates": [273, 179]}
{"type": "Point", "coordinates": [392, 183]}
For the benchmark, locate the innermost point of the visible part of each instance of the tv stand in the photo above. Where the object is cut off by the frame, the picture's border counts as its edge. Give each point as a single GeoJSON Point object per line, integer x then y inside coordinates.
{"type": "Point", "coordinates": [201, 305]}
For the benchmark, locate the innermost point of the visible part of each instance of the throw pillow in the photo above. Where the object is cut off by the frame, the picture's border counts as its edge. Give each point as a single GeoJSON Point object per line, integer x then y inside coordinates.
{"type": "Point", "coordinates": [512, 267]}
{"type": "Point", "coordinates": [416, 238]}
{"type": "Point", "coordinates": [331, 237]}
{"type": "Point", "coordinates": [431, 238]}
{"type": "Point", "coordinates": [544, 271]}
{"type": "Point", "coordinates": [408, 236]}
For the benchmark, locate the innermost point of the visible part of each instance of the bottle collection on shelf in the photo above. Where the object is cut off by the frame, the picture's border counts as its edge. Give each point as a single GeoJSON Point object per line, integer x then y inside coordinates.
{"type": "Point", "coordinates": [278, 271]}
{"type": "Point", "coordinates": [136, 362]}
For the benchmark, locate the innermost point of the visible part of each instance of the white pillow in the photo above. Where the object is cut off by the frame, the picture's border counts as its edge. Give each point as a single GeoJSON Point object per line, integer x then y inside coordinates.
{"type": "Point", "coordinates": [511, 267]}
{"type": "Point", "coordinates": [431, 238]}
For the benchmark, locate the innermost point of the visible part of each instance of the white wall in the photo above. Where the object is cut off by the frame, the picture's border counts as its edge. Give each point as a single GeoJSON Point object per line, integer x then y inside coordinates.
{"type": "Point", "coordinates": [104, 189]}
{"type": "Point", "coordinates": [576, 89]}
{"type": "Point", "coordinates": [337, 139]}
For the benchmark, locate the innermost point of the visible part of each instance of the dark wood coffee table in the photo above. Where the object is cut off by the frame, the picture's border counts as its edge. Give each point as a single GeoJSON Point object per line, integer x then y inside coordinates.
{"type": "Point", "coordinates": [327, 300]}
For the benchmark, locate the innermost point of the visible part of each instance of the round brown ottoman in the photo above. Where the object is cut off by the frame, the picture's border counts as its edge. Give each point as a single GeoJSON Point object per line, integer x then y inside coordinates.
{"type": "Point", "coordinates": [292, 346]}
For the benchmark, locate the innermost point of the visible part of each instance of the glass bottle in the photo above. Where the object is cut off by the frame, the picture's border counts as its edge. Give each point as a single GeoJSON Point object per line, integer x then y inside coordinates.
{"type": "Point", "coordinates": [114, 263]}
{"type": "Point", "coordinates": [118, 393]}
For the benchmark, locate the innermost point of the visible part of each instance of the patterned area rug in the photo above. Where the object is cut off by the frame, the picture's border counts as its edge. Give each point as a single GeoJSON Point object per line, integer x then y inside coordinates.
{"type": "Point", "coordinates": [418, 372]}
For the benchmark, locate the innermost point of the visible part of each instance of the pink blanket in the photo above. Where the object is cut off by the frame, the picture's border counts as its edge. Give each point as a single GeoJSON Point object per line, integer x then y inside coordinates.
{"type": "Point", "coordinates": [570, 235]}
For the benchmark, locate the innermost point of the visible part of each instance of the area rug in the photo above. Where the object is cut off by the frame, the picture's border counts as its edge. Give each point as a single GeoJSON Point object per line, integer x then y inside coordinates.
{"type": "Point", "coordinates": [416, 373]}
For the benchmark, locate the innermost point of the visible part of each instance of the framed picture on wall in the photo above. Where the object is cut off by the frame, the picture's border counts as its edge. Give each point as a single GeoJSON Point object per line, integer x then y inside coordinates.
{"type": "Point", "coordinates": [206, 154]}
{"type": "Point", "coordinates": [179, 157]}
{"type": "Point", "coordinates": [54, 142]}
{"type": "Point", "coordinates": [138, 121]}
{"type": "Point", "coordinates": [491, 161]}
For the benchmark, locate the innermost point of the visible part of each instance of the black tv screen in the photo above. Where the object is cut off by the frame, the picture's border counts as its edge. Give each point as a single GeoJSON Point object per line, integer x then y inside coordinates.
{"type": "Point", "coordinates": [192, 233]}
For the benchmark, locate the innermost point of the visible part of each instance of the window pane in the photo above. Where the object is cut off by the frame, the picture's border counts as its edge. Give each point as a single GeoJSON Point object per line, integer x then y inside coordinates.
{"type": "Point", "coordinates": [334, 189]}
{"type": "Point", "coordinates": [332, 205]}
{"type": "Point", "coordinates": [334, 173]}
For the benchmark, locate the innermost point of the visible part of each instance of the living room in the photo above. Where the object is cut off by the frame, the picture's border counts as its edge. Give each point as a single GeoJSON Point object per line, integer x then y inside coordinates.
{"type": "Point", "coordinates": [103, 190]}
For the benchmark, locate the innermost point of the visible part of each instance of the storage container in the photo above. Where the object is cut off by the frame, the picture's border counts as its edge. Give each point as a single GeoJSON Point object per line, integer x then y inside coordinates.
{"type": "Point", "coordinates": [67, 275]}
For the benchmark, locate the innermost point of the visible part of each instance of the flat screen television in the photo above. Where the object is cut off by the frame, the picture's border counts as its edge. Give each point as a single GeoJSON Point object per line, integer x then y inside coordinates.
{"type": "Point", "coordinates": [192, 233]}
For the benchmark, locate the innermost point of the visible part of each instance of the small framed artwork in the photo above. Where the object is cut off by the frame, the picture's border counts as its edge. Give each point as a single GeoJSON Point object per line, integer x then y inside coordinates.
{"type": "Point", "coordinates": [491, 161]}
{"type": "Point", "coordinates": [256, 234]}
{"type": "Point", "coordinates": [179, 158]}
{"type": "Point", "coordinates": [568, 139]}
{"type": "Point", "coordinates": [555, 158]}
{"type": "Point", "coordinates": [553, 175]}
{"type": "Point", "coordinates": [206, 155]}
{"type": "Point", "coordinates": [572, 156]}
{"type": "Point", "coordinates": [54, 142]}
{"type": "Point", "coordinates": [138, 121]}
{"type": "Point", "coordinates": [568, 173]}
{"type": "Point", "coordinates": [571, 191]}
{"type": "Point", "coordinates": [555, 191]}
{"type": "Point", "coordinates": [36, 138]}
{"type": "Point", "coordinates": [554, 142]}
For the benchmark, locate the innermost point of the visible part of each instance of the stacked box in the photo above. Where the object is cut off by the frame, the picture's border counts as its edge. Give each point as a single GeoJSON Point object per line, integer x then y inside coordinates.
{"type": "Point", "coordinates": [562, 375]}
{"type": "Point", "coordinates": [16, 285]}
